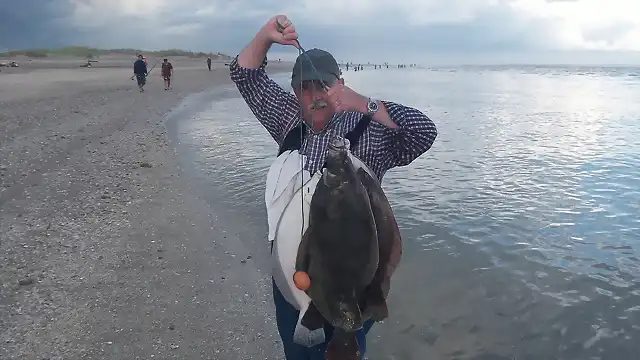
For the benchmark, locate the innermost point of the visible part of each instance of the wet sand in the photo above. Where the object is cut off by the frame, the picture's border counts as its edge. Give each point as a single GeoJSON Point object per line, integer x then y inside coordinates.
{"type": "Point", "coordinates": [105, 250]}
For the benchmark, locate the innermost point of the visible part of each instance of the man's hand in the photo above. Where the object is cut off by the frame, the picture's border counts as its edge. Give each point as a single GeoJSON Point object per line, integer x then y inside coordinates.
{"type": "Point", "coordinates": [285, 34]}
{"type": "Point", "coordinates": [280, 30]}
{"type": "Point", "coordinates": [342, 98]}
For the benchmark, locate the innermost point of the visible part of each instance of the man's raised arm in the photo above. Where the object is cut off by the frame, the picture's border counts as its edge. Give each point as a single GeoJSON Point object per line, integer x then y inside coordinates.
{"type": "Point", "coordinates": [274, 107]}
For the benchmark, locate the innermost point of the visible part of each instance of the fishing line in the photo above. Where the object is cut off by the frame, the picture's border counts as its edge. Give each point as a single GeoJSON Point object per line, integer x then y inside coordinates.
{"type": "Point", "coordinates": [315, 105]}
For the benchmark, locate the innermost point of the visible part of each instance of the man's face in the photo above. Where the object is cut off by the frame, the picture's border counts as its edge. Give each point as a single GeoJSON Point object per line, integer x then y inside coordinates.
{"type": "Point", "coordinates": [140, 57]}
{"type": "Point", "coordinates": [309, 93]}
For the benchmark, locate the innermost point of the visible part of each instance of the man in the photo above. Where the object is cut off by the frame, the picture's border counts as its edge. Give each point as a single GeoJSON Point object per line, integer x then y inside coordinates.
{"type": "Point", "coordinates": [390, 134]}
{"type": "Point", "coordinates": [140, 72]}
{"type": "Point", "coordinates": [167, 71]}
{"type": "Point", "coordinates": [209, 62]}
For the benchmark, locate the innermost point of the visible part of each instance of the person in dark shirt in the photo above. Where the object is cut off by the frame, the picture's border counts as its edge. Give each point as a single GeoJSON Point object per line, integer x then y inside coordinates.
{"type": "Point", "coordinates": [140, 72]}
{"type": "Point", "coordinates": [209, 62]}
{"type": "Point", "coordinates": [167, 71]}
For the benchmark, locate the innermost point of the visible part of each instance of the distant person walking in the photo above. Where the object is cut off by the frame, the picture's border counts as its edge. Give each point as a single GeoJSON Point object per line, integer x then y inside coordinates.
{"type": "Point", "coordinates": [209, 62]}
{"type": "Point", "coordinates": [167, 71]}
{"type": "Point", "coordinates": [140, 72]}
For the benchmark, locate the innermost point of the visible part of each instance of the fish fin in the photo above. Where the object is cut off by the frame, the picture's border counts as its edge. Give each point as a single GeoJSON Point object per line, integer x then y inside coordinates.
{"type": "Point", "coordinates": [343, 346]}
{"type": "Point", "coordinates": [389, 242]}
{"type": "Point", "coordinates": [312, 318]}
{"type": "Point", "coordinates": [306, 336]}
{"type": "Point", "coordinates": [375, 303]}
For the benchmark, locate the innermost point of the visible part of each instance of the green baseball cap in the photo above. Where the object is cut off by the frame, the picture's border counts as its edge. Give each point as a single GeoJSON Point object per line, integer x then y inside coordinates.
{"type": "Point", "coordinates": [326, 67]}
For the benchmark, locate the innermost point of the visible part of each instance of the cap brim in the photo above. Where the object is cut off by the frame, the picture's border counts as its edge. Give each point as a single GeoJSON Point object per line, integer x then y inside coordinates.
{"type": "Point", "coordinates": [328, 79]}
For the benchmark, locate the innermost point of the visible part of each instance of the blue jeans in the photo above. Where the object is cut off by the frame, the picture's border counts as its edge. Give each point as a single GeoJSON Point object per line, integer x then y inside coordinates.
{"type": "Point", "coordinates": [287, 318]}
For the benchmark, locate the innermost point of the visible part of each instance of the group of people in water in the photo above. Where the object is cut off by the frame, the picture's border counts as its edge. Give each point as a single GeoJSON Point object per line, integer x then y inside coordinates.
{"type": "Point", "coordinates": [359, 67]}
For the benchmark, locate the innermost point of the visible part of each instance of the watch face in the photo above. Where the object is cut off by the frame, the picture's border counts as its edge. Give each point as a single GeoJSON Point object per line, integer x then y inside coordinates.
{"type": "Point", "coordinates": [373, 106]}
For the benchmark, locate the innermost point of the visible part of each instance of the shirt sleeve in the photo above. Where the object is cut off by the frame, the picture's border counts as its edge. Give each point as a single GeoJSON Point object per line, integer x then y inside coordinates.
{"type": "Point", "coordinates": [413, 137]}
{"type": "Point", "coordinates": [274, 107]}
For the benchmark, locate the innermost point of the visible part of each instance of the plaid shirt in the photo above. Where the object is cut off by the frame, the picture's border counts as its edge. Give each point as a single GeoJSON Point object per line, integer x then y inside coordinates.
{"type": "Point", "coordinates": [380, 148]}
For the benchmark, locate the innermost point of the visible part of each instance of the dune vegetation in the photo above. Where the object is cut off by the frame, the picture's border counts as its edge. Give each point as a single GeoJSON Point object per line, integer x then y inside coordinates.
{"type": "Point", "coordinates": [90, 53]}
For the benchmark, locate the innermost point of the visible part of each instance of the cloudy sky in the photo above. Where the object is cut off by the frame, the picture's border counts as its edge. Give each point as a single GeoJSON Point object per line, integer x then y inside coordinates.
{"type": "Point", "coordinates": [357, 30]}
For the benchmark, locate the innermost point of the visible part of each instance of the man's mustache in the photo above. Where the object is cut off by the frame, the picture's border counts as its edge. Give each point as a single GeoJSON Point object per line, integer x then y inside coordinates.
{"type": "Point", "coordinates": [319, 104]}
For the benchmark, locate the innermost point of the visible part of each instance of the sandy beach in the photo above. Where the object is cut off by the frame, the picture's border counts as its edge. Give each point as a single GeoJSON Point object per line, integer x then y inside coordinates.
{"type": "Point", "coordinates": [105, 252]}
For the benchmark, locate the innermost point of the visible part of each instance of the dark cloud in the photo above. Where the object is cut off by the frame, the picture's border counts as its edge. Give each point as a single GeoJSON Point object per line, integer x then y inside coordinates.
{"type": "Point", "coordinates": [34, 23]}
{"type": "Point", "coordinates": [227, 26]}
{"type": "Point", "coordinates": [45, 23]}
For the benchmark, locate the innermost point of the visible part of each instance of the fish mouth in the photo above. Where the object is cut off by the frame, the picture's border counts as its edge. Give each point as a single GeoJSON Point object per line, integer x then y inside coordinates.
{"type": "Point", "coordinates": [338, 143]}
{"type": "Point", "coordinates": [348, 318]}
{"type": "Point", "coordinates": [348, 322]}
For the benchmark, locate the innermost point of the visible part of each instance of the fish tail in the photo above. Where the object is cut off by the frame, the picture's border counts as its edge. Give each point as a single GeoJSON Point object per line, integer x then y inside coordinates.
{"type": "Point", "coordinates": [343, 346]}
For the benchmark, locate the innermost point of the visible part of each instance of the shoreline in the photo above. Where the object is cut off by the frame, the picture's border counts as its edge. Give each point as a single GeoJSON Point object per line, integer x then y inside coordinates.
{"type": "Point", "coordinates": [106, 250]}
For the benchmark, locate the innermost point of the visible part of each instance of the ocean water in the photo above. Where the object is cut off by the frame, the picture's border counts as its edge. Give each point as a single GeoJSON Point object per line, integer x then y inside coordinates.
{"type": "Point", "coordinates": [521, 225]}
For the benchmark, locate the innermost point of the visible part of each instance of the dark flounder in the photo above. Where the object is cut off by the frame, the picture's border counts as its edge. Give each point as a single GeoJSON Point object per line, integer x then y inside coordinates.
{"type": "Point", "coordinates": [339, 250]}
{"type": "Point", "coordinates": [349, 251]}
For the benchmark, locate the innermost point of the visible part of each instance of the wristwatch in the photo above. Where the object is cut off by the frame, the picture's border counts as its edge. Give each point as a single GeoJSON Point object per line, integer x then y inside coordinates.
{"type": "Point", "coordinates": [372, 107]}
